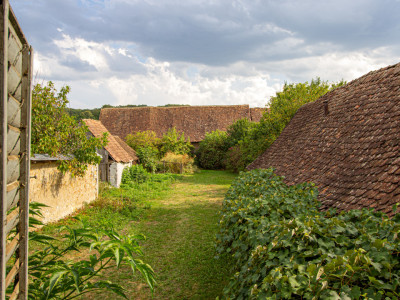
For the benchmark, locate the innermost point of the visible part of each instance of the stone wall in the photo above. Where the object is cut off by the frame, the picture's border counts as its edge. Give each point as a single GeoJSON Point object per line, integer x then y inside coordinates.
{"type": "Point", "coordinates": [62, 193]}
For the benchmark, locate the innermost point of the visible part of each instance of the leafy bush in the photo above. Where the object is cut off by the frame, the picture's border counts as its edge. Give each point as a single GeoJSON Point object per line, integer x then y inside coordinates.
{"type": "Point", "coordinates": [234, 160]}
{"type": "Point", "coordinates": [143, 139]}
{"type": "Point", "coordinates": [175, 142]}
{"type": "Point", "coordinates": [54, 276]}
{"type": "Point", "coordinates": [148, 157]}
{"type": "Point", "coordinates": [174, 163]}
{"type": "Point", "coordinates": [239, 130]}
{"type": "Point", "coordinates": [55, 132]}
{"type": "Point", "coordinates": [135, 173]}
{"type": "Point", "coordinates": [285, 248]}
{"type": "Point", "coordinates": [282, 108]}
{"type": "Point", "coordinates": [212, 149]}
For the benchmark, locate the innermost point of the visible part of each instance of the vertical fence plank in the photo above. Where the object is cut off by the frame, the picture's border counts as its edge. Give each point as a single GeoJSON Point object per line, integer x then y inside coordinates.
{"type": "Point", "coordinates": [27, 55]}
{"type": "Point", "coordinates": [3, 146]}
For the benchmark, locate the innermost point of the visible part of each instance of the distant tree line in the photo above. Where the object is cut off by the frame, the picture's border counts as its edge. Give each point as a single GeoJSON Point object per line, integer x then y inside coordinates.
{"type": "Point", "coordinates": [94, 113]}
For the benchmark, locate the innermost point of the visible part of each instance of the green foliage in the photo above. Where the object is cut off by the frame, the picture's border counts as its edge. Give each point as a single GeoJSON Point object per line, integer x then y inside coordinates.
{"type": "Point", "coordinates": [239, 130]}
{"type": "Point", "coordinates": [141, 139]}
{"type": "Point", "coordinates": [54, 132]}
{"type": "Point", "coordinates": [234, 160]}
{"type": "Point", "coordinates": [175, 142]}
{"type": "Point", "coordinates": [212, 149]}
{"type": "Point", "coordinates": [53, 276]}
{"type": "Point", "coordinates": [135, 173]}
{"type": "Point", "coordinates": [177, 163]}
{"type": "Point", "coordinates": [285, 248]}
{"type": "Point", "coordinates": [282, 108]}
{"type": "Point", "coordinates": [148, 157]}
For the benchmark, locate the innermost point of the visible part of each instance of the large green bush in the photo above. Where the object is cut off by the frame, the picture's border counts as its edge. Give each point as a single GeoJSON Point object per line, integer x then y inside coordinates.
{"type": "Point", "coordinates": [282, 108]}
{"type": "Point", "coordinates": [285, 248]}
{"type": "Point", "coordinates": [143, 139]}
{"type": "Point", "coordinates": [212, 150]}
{"type": "Point", "coordinates": [174, 142]}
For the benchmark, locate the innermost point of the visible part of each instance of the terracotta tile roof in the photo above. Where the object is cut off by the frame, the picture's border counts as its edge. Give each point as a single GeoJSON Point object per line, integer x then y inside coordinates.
{"type": "Point", "coordinates": [347, 142]}
{"type": "Point", "coordinates": [114, 147]}
{"type": "Point", "coordinates": [194, 121]}
{"type": "Point", "coordinates": [126, 147]}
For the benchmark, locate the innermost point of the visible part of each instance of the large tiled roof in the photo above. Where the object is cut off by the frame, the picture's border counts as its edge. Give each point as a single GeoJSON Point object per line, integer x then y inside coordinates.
{"type": "Point", "coordinates": [347, 142]}
{"type": "Point", "coordinates": [116, 148]}
{"type": "Point", "coordinates": [194, 121]}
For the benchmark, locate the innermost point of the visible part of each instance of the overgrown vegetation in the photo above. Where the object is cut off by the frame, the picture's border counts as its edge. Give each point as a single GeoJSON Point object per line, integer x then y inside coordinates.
{"type": "Point", "coordinates": [212, 150]}
{"type": "Point", "coordinates": [54, 132]}
{"type": "Point", "coordinates": [54, 276]}
{"type": "Point", "coordinates": [285, 248]}
{"type": "Point", "coordinates": [246, 140]}
{"type": "Point", "coordinates": [152, 150]}
{"type": "Point", "coordinates": [180, 223]}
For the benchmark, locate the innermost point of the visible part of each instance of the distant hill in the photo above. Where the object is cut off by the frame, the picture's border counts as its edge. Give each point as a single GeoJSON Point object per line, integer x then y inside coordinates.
{"type": "Point", "coordinates": [94, 113]}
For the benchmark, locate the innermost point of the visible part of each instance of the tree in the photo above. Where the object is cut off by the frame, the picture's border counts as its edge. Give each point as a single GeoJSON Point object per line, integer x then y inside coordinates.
{"type": "Point", "coordinates": [55, 132]}
{"type": "Point", "coordinates": [282, 108]}
{"type": "Point", "coordinates": [175, 142]}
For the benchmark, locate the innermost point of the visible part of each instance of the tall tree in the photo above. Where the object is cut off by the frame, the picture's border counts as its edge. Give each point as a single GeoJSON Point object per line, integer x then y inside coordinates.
{"type": "Point", "coordinates": [55, 132]}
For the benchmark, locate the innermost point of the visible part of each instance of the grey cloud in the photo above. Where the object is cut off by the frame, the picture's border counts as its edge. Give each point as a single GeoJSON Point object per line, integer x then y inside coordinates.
{"type": "Point", "coordinates": [217, 32]}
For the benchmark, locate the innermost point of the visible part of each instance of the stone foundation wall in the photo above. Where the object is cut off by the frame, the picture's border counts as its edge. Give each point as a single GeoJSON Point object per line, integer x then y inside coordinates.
{"type": "Point", "coordinates": [62, 193]}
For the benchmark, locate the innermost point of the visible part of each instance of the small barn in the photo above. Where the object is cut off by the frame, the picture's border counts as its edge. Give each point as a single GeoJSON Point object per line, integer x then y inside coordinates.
{"type": "Point", "coordinates": [116, 156]}
{"type": "Point", "coordinates": [193, 121]}
{"type": "Point", "coordinates": [347, 143]}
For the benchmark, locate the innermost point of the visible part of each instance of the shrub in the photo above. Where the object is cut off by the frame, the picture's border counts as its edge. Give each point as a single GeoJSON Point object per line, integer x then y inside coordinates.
{"type": "Point", "coordinates": [135, 173]}
{"type": "Point", "coordinates": [148, 157]}
{"type": "Point", "coordinates": [175, 142]}
{"type": "Point", "coordinates": [212, 149]}
{"type": "Point", "coordinates": [234, 160]}
{"type": "Point", "coordinates": [239, 130]}
{"type": "Point", "coordinates": [285, 248]}
{"type": "Point", "coordinates": [54, 276]}
{"type": "Point", "coordinates": [143, 139]}
{"type": "Point", "coordinates": [175, 163]}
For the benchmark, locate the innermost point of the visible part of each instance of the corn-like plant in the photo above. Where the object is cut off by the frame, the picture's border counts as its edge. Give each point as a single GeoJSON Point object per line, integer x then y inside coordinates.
{"type": "Point", "coordinates": [53, 276]}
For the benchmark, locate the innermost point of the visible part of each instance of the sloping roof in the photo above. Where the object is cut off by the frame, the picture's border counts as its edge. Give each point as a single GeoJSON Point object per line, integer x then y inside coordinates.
{"type": "Point", "coordinates": [347, 142]}
{"type": "Point", "coordinates": [126, 147]}
{"type": "Point", "coordinates": [114, 147]}
{"type": "Point", "coordinates": [194, 121]}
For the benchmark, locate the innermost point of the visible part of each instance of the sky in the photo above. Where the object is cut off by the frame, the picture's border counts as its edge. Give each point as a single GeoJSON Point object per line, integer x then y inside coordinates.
{"type": "Point", "coordinates": [203, 52]}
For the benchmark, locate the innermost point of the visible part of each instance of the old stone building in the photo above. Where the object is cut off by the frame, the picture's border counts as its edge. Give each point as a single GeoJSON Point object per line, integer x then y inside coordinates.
{"type": "Point", "coordinates": [194, 121]}
{"type": "Point", "coordinates": [116, 156]}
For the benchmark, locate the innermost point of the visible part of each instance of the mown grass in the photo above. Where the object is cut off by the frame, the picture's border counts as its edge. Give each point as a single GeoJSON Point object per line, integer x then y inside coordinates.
{"type": "Point", "coordinates": [180, 223]}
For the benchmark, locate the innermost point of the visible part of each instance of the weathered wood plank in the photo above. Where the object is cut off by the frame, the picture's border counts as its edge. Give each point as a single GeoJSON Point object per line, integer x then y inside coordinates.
{"type": "Point", "coordinates": [23, 227]}
{"type": "Point", "coordinates": [11, 247]}
{"type": "Point", "coordinates": [12, 221]}
{"type": "Point", "coordinates": [15, 293]}
{"type": "Point", "coordinates": [4, 12]}
{"type": "Point", "coordinates": [14, 111]}
{"type": "Point", "coordinates": [13, 169]}
{"type": "Point", "coordinates": [12, 194]}
{"type": "Point", "coordinates": [13, 140]}
{"type": "Point", "coordinates": [13, 272]}
{"type": "Point", "coordinates": [14, 81]}
{"type": "Point", "coordinates": [14, 50]}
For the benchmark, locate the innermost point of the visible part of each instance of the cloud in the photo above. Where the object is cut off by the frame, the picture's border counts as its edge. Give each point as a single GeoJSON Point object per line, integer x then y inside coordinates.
{"type": "Point", "coordinates": [204, 51]}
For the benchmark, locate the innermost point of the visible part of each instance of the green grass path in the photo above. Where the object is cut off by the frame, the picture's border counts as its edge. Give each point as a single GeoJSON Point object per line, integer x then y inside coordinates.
{"type": "Point", "coordinates": [180, 231]}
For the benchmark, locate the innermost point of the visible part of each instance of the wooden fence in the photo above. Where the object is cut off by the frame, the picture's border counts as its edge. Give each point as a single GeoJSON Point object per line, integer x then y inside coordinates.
{"type": "Point", "coordinates": [15, 107]}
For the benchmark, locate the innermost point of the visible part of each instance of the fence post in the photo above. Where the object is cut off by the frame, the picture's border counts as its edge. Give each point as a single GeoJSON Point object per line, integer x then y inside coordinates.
{"type": "Point", "coordinates": [181, 167]}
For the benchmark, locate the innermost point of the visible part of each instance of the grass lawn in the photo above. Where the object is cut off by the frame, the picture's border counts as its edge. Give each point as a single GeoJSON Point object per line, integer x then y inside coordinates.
{"type": "Point", "coordinates": [180, 224]}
